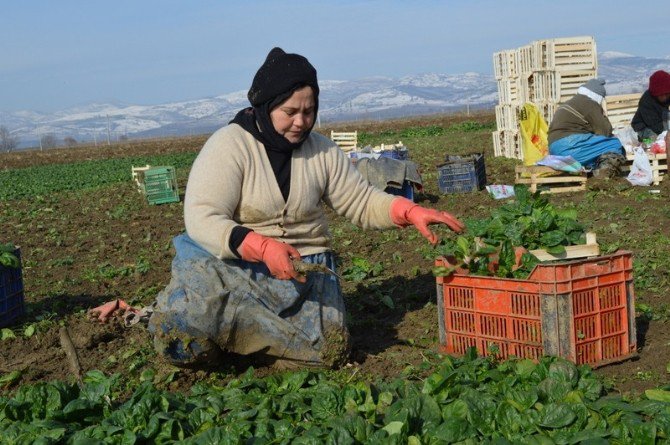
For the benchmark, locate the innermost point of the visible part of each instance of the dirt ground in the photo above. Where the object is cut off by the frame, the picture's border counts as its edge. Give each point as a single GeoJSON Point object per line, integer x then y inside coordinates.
{"type": "Point", "coordinates": [75, 251]}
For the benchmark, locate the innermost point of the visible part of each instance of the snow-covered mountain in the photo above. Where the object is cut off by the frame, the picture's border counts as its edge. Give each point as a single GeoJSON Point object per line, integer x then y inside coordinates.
{"type": "Point", "coordinates": [369, 98]}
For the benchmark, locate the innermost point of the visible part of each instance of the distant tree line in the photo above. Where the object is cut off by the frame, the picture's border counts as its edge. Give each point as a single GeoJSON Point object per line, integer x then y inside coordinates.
{"type": "Point", "coordinates": [7, 141]}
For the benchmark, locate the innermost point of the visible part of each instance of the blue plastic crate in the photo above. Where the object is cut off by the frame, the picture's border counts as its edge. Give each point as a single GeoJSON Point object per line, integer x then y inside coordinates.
{"type": "Point", "coordinates": [462, 174]}
{"type": "Point", "coordinates": [12, 303]}
{"type": "Point", "coordinates": [401, 154]}
{"type": "Point", "coordinates": [406, 191]}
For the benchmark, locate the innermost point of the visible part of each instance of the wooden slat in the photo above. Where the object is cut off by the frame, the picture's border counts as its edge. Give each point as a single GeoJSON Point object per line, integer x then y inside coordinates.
{"type": "Point", "coordinates": [535, 176]}
{"type": "Point", "coordinates": [497, 144]}
{"type": "Point", "coordinates": [591, 248]}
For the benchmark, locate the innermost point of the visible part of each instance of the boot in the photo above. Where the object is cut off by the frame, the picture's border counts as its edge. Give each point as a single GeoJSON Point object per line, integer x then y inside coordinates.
{"type": "Point", "coordinates": [609, 166]}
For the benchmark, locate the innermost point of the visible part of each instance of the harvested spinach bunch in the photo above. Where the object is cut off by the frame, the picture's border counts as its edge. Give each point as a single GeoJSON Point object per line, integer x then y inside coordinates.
{"type": "Point", "coordinates": [530, 221]}
{"type": "Point", "coordinates": [7, 257]}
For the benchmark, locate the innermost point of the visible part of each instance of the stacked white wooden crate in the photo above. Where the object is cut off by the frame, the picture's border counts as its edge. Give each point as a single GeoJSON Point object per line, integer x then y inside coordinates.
{"type": "Point", "coordinates": [545, 73]}
{"type": "Point", "coordinates": [621, 109]}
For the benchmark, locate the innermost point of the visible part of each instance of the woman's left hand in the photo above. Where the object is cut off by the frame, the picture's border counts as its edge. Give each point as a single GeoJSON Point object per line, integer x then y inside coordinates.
{"type": "Point", "coordinates": [404, 212]}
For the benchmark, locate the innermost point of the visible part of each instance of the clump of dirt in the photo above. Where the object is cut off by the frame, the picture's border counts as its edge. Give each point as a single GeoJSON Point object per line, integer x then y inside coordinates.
{"type": "Point", "coordinates": [336, 347]}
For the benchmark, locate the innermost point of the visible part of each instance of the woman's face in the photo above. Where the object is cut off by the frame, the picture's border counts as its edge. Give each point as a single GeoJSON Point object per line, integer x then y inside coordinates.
{"type": "Point", "coordinates": [663, 98]}
{"type": "Point", "coordinates": [293, 117]}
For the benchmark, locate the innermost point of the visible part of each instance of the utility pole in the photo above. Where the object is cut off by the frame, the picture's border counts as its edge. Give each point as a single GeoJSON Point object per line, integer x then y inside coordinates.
{"type": "Point", "coordinates": [95, 138]}
{"type": "Point", "coordinates": [39, 136]}
{"type": "Point", "coordinates": [108, 135]}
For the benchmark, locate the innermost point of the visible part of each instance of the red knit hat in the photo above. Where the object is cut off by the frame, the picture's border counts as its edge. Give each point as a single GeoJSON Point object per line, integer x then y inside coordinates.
{"type": "Point", "coordinates": [659, 83]}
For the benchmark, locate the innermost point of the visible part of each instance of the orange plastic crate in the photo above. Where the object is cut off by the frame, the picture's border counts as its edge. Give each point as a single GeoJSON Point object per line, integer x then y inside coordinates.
{"type": "Point", "coordinates": [581, 310]}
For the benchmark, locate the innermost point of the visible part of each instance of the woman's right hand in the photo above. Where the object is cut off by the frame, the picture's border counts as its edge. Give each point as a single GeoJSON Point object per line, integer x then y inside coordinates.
{"type": "Point", "coordinates": [276, 255]}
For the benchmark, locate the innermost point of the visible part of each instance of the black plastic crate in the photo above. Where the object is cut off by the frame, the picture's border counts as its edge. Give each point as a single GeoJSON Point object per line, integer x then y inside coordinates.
{"type": "Point", "coordinates": [12, 303]}
{"type": "Point", "coordinates": [461, 174]}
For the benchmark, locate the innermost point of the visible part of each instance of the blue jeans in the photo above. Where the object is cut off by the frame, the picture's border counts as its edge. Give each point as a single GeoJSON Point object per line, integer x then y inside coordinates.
{"type": "Point", "coordinates": [586, 147]}
{"type": "Point", "coordinates": [214, 305]}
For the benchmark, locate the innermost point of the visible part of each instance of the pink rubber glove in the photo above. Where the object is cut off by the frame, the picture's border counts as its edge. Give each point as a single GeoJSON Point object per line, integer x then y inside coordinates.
{"type": "Point", "coordinates": [276, 255]}
{"type": "Point", "coordinates": [404, 213]}
{"type": "Point", "coordinates": [104, 312]}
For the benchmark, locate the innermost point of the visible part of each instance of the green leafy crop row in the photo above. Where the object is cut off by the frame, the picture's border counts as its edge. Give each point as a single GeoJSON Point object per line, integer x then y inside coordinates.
{"type": "Point", "coordinates": [471, 400]}
{"type": "Point", "coordinates": [48, 179]}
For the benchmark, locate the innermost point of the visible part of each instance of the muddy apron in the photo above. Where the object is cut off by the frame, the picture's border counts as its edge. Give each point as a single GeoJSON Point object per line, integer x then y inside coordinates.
{"type": "Point", "coordinates": [214, 305]}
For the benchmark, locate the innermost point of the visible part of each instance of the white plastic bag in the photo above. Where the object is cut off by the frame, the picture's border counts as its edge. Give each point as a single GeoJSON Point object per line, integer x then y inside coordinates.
{"type": "Point", "coordinates": [628, 138]}
{"type": "Point", "coordinates": [500, 191]}
{"type": "Point", "coordinates": [640, 171]}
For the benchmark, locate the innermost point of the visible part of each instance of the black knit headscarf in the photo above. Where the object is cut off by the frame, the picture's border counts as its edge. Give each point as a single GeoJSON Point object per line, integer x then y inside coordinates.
{"type": "Point", "coordinates": [275, 81]}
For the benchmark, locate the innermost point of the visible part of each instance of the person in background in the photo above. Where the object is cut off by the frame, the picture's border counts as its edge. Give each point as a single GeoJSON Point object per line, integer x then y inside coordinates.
{"type": "Point", "coordinates": [651, 117]}
{"type": "Point", "coordinates": [581, 129]}
{"type": "Point", "coordinates": [253, 214]}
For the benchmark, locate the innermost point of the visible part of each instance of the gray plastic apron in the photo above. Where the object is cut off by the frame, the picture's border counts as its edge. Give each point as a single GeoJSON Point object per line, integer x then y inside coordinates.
{"type": "Point", "coordinates": [214, 305]}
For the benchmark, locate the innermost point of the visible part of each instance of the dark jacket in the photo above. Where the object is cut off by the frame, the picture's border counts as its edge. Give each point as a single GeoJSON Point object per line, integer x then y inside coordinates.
{"type": "Point", "coordinates": [650, 114]}
{"type": "Point", "coordinates": [579, 115]}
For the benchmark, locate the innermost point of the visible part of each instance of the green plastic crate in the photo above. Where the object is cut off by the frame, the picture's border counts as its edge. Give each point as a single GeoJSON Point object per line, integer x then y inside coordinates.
{"type": "Point", "coordinates": [159, 184]}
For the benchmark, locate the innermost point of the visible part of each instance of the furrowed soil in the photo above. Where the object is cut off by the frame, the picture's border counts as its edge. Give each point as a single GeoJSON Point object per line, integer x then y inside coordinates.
{"type": "Point", "coordinates": [86, 247]}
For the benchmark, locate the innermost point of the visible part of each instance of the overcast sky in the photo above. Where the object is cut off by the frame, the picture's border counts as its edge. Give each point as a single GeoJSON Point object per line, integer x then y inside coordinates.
{"type": "Point", "coordinates": [57, 54]}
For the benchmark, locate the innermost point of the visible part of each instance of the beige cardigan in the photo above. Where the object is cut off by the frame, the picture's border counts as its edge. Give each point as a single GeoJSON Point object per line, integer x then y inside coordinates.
{"type": "Point", "coordinates": [232, 183]}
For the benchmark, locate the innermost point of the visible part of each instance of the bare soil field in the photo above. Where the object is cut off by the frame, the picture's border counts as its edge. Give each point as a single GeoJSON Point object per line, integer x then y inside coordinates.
{"type": "Point", "coordinates": [85, 247]}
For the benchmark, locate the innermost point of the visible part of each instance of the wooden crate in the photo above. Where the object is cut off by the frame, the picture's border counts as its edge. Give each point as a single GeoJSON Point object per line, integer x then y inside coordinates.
{"type": "Point", "coordinates": [509, 91]}
{"type": "Point", "coordinates": [498, 143]}
{"type": "Point", "coordinates": [558, 87]}
{"type": "Point", "coordinates": [507, 116]}
{"type": "Point", "coordinates": [529, 86]}
{"type": "Point", "coordinates": [549, 180]}
{"type": "Point", "coordinates": [565, 54]}
{"type": "Point", "coordinates": [542, 55]}
{"type": "Point", "coordinates": [346, 140]}
{"type": "Point", "coordinates": [524, 60]}
{"type": "Point", "coordinates": [504, 64]}
{"type": "Point", "coordinates": [547, 109]}
{"type": "Point", "coordinates": [659, 165]}
{"type": "Point", "coordinates": [513, 147]}
{"type": "Point", "coordinates": [620, 109]}
{"type": "Point", "coordinates": [575, 53]}
{"type": "Point", "coordinates": [507, 143]}
{"type": "Point", "coordinates": [568, 82]}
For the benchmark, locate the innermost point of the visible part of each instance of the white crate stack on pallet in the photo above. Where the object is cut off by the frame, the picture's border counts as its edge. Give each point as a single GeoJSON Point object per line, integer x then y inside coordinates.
{"type": "Point", "coordinates": [545, 73]}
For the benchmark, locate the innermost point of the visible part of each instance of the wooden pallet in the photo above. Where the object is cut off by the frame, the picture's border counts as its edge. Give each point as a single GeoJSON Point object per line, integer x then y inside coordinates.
{"type": "Point", "coordinates": [590, 249]}
{"type": "Point", "coordinates": [659, 165]}
{"type": "Point", "coordinates": [548, 180]}
{"type": "Point", "coordinates": [346, 140]}
{"type": "Point", "coordinates": [620, 109]}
